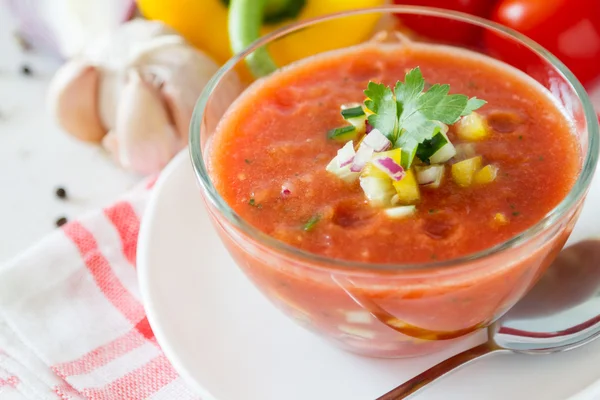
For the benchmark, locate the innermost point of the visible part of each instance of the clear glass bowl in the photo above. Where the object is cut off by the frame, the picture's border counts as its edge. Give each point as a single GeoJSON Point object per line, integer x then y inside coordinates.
{"type": "Point", "coordinates": [401, 310]}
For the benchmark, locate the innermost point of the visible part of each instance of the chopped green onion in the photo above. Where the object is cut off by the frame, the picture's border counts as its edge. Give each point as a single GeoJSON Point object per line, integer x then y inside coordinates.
{"type": "Point", "coordinates": [342, 134]}
{"type": "Point", "coordinates": [431, 146]}
{"type": "Point", "coordinates": [353, 112]}
{"type": "Point", "coordinates": [310, 224]}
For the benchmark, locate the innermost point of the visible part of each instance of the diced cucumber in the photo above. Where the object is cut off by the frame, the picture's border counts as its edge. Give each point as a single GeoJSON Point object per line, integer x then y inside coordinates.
{"type": "Point", "coordinates": [379, 191]}
{"type": "Point", "coordinates": [430, 175]}
{"type": "Point", "coordinates": [464, 171]}
{"type": "Point", "coordinates": [349, 113]}
{"type": "Point", "coordinates": [400, 212]}
{"type": "Point", "coordinates": [431, 146]}
{"type": "Point", "coordinates": [445, 153]}
{"type": "Point", "coordinates": [342, 134]}
{"type": "Point", "coordinates": [343, 173]}
{"type": "Point", "coordinates": [472, 127]}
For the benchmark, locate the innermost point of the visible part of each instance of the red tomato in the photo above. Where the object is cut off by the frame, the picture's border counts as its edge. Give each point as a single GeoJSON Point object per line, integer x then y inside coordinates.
{"type": "Point", "coordinates": [447, 30]}
{"type": "Point", "coordinates": [570, 29]}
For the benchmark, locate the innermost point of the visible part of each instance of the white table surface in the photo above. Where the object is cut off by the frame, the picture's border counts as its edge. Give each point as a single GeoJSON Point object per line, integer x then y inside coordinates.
{"type": "Point", "coordinates": [36, 157]}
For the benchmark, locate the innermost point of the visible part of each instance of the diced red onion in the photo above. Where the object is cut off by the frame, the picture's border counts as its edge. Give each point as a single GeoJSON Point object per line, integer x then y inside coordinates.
{"type": "Point", "coordinates": [390, 167]}
{"type": "Point", "coordinates": [345, 155]}
{"type": "Point", "coordinates": [377, 140]}
{"type": "Point", "coordinates": [285, 190]}
{"type": "Point", "coordinates": [368, 127]}
{"type": "Point", "coordinates": [363, 156]}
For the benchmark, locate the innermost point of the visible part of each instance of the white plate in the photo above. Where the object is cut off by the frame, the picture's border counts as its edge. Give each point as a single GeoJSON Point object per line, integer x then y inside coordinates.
{"type": "Point", "coordinates": [224, 337]}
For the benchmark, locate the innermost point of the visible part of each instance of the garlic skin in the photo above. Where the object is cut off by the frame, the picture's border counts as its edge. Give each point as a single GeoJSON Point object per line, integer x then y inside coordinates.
{"type": "Point", "coordinates": [148, 81]}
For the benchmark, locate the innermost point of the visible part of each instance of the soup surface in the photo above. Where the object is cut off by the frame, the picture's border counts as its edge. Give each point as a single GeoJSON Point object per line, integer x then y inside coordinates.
{"type": "Point", "coordinates": [269, 155]}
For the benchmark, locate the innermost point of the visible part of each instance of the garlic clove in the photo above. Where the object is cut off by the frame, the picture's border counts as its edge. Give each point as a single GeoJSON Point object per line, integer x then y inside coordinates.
{"type": "Point", "coordinates": [179, 112]}
{"type": "Point", "coordinates": [73, 99]}
{"type": "Point", "coordinates": [145, 138]}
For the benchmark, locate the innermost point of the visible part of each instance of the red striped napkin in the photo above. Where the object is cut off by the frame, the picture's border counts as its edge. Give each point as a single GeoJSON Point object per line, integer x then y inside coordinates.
{"type": "Point", "coordinates": [72, 324]}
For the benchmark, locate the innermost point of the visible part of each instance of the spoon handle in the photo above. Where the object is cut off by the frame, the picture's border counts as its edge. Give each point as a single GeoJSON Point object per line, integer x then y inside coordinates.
{"type": "Point", "coordinates": [437, 371]}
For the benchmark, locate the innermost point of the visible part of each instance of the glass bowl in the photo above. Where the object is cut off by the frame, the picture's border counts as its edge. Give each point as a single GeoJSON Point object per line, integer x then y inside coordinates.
{"type": "Point", "coordinates": [400, 310]}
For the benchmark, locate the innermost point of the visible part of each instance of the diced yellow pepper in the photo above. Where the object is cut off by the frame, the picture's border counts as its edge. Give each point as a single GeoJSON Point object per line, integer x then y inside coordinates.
{"type": "Point", "coordinates": [472, 127]}
{"type": "Point", "coordinates": [464, 171]}
{"type": "Point", "coordinates": [372, 171]}
{"type": "Point", "coordinates": [407, 189]}
{"type": "Point", "coordinates": [500, 219]}
{"type": "Point", "coordinates": [485, 175]}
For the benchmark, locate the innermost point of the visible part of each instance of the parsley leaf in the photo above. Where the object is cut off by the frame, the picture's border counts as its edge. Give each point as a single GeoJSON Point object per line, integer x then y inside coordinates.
{"type": "Point", "coordinates": [409, 116]}
{"type": "Point", "coordinates": [381, 102]}
{"type": "Point", "coordinates": [473, 104]}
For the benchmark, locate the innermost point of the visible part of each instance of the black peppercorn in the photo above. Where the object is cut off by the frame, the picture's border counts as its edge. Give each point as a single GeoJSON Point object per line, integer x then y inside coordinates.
{"type": "Point", "coordinates": [26, 70]}
{"type": "Point", "coordinates": [61, 221]}
{"type": "Point", "coordinates": [61, 193]}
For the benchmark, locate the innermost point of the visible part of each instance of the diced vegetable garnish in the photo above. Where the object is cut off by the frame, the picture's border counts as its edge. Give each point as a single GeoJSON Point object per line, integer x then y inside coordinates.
{"type": "Point", "coordinates": [353, 112]}
{"type": "Point", "coordinates": [431, 146]}
{"type": "Point", "coordinates": [343, 134]}
{"type": "Point", "coordinates": [312, 222]}
{"type": "Point", "coordinates": [413, 122]}
{"type": "Point", "coordinates": [343, 173]}
{"type": "Point", "coordinates": [379, 191]}
{"type": "Point", "coordinates": [390, 167]}
{"type": "Point", "coordinates": [486, 174]}
{"type": "Point", "coordinates": [356, 331]}
{"type": "Point", "coordinates": [407, 189]}
{"type": "Point", "coordinates": [377, 141]}
{"type": "Point", "coordinates": [445, 153]}
{"type": "Point", "coordinates": [464, 171]}
{"type": "Point", "coordinates": [464, 151]}
{"type": "Point", "coordinates": [408, 155]}
{"type": "Point", "coordinates": [362, 157]}
{"type": "Point", "coordinates": [346, 154]}
{"type": "Point", "coordinates": [372, 170]}
{"type": "Point", "coordinates": [430, 175]}
{"type": "Point", "coordinates": [472, 127]}
{"type": "Point", "coordinates": [358, 317]}
{"type": "Point", "coordinates": [400, 212]}
{"type": "Point", "coordinates": [500, 219]}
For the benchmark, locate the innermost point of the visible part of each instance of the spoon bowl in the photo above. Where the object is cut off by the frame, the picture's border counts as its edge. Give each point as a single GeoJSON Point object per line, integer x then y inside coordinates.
{"type": "Point", "coordinates": [561, 312]}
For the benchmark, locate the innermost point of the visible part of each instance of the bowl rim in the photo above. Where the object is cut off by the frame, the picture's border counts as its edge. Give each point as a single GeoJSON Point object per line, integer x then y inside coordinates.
{"type": "Point", "coordinates": [575, 195]}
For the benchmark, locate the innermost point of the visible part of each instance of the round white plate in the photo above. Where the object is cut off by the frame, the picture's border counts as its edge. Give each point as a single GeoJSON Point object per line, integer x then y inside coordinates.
{"type": "Point", "coordinates": [228, 342]}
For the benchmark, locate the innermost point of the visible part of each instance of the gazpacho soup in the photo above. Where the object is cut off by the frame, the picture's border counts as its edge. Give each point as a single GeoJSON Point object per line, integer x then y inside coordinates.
{"type": "Point", "coordinates": [396, 157]}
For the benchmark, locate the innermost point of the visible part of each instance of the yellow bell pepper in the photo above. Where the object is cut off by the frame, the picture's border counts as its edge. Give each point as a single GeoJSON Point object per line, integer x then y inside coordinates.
{"type": "Point", "coordinates": [202, 22]}
{"type": "Point", "coordinates": [205, 24]}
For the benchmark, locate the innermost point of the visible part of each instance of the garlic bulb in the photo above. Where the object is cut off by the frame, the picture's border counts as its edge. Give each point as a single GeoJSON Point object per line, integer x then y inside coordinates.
{"type": "Point", "coordinates": [134, 90]}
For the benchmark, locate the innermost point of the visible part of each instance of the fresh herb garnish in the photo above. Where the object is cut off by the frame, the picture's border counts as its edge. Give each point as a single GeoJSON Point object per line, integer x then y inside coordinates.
{"type": "Point", "coordinates": [253, 203]}
{"type": "Point", "coordinates": [408, 116]}
{"type": "Point", "coordinates": [247, 161]}
{"type": "Point", "coordinates": [310, 224]}
{"type": "Point", "coordinates": [516, 213]}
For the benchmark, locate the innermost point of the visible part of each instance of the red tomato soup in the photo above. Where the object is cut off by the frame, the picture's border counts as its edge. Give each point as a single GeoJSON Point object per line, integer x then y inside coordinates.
{"type": "Point", "coordinates": [268, 160]}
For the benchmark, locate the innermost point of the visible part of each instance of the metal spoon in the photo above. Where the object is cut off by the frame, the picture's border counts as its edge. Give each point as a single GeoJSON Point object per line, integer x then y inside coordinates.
{"type": "Point", "coordinates": [560, 313]}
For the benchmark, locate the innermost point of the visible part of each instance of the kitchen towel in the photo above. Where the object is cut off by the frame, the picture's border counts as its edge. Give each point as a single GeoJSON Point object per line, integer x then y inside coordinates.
{"type": "Point", "coordinates": [72, 323]}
